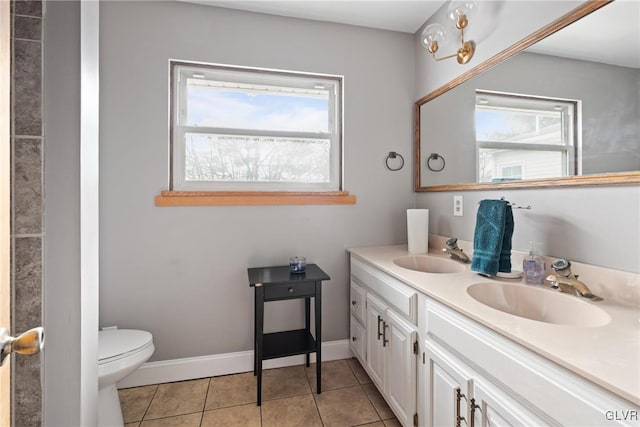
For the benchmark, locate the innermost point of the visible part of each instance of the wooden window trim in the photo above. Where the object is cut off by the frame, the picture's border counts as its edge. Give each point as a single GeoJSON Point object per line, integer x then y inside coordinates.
{"type": "Point", "coordinates": [253, 198]}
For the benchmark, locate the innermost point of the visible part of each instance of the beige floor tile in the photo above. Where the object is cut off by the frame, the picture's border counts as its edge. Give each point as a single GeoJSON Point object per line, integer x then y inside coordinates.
{"type": "Point", "coordinates": [284, 382]}
{"type": "Point", "coordinates": [345, 407]}
{"type": "Point", "coordinates": [179, 398]}
{"type": "Point", "coordinates": [291, 412]}
{"type": "Point", "coordinates": [190, 420]}
{"type": "Point", "coordinates": [380, 405]}
{"type": "Point", "coordinates": [136, 424]}
{"type": "Point", "coordinates": [235, 416]}
{"type": "Point", "coordinates": [358, 371]}
{"type": "Point", "coordinates": [231, 390]}
{"type": "Point", "coordinates": [376, 424]}
{"type": "Point", "coordinates": [335, 374]}
{"type": "Point", "coordinates": [392, 423]}
{"type": "Point", "coordinates": [135, 402]}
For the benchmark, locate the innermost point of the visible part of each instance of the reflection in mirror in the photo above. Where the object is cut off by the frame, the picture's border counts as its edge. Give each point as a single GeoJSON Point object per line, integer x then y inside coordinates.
{"type": "Point", "coordinates": [525, 137]}
{"type": "Point", "coordinates": [540, 114]}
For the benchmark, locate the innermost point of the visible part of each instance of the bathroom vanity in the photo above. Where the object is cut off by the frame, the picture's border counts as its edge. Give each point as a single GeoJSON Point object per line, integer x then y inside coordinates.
{"type": "Point", "coordinates": [448, 347]}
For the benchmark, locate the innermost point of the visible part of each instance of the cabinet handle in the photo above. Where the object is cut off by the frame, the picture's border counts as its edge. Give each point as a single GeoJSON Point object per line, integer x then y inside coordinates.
{"type": "Point", "coordinates": [353, 339]}
{"type": "Point", "coordinates": [472, 421]}
{"type": "Point", "coordinates": [459, 397]}
{"type": "Point", "coordinates": [379, 321]}
{"type": "Point", "coordinates": [384, 334]}
{"type": "Point", "coordinates": [353, 303]}
{"type": "Point", "coordinates": [290, 290]}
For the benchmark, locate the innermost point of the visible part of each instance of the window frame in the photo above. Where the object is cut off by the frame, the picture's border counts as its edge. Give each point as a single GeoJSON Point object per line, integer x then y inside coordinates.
{"type": "Point", "coordinates": [571, 132]}
{"type": "Point", "coordinates": [177, 145]}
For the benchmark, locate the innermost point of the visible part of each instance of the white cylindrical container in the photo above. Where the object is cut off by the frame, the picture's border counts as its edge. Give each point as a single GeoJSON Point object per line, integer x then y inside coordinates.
{"type": "Point", "coordinates": [418, 231]}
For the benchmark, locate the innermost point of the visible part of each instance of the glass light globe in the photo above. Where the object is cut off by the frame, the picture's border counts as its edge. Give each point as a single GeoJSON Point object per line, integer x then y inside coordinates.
{"type": "Point", "coordinates": [461, 7]}
{"type": "Point", "coordinates": [433, 33]}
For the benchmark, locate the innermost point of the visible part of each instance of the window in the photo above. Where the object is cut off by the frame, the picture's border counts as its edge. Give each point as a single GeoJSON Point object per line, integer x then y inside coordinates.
{"type": "Point", "coordinates": [525, 137]}
{"type": "Point", "coordinates": [244, 129]}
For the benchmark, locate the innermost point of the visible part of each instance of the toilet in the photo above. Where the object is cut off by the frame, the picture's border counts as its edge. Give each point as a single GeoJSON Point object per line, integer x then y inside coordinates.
{"type": "Point", "coordinates": [120, 352]}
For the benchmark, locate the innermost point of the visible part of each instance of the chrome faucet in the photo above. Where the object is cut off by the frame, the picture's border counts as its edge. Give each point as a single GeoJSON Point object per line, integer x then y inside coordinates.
{"type": "Point", "coordinates": [567, 282]}
{"type": "Point", "coordinates": [454, 251]}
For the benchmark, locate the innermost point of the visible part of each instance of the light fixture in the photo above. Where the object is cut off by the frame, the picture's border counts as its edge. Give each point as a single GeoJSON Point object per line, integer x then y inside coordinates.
{"type": "Point", "coordinates": [459, 12]}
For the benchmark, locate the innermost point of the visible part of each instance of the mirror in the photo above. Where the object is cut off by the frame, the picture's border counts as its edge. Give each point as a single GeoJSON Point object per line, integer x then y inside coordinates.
{"type": "Point", "coordinates": [580, 113]}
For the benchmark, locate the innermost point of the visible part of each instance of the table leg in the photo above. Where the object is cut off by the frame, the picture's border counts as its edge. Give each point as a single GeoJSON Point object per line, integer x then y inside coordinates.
{"type": "Point", "coordinates": [259, 309]}
{"type": "Point", "coordinates": [318, 310]}
{"type": "Point", "coordinates": [307, 321]}
{"type": "Point", "coordinates": [255, 334]}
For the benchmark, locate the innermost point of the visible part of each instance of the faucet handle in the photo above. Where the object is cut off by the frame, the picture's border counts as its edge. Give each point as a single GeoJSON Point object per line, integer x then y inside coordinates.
{"type": "Point", "coordinates": [562, 267]}
{"type": "Point", "coordinates": [452, 243]}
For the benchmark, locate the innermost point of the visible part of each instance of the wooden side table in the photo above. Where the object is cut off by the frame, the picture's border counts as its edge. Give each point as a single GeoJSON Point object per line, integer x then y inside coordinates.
{"type": "Point", "coordinates": [275, 284]}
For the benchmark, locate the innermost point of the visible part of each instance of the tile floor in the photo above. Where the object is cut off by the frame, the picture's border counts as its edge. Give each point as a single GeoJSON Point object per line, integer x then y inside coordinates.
{"type": "Point", "coordinates": [348, 398]}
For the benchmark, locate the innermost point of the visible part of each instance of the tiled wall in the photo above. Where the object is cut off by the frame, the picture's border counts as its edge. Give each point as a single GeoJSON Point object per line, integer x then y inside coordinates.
{"type": "Point", "coordinates": [27, 201]}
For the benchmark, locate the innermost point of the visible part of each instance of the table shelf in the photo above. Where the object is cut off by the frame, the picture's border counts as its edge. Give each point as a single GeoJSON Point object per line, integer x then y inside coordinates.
{"type": "Point", "coordinates": [288, 343]}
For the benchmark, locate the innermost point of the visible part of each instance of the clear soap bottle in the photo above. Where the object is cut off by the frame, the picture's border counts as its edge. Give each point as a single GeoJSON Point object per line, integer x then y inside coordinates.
{"type": "Point", "coordinates": [533, 267]}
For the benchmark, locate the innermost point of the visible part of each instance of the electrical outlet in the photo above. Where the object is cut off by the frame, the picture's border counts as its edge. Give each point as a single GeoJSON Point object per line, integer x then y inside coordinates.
{"type": "Point", "coordinates": [458, 206]}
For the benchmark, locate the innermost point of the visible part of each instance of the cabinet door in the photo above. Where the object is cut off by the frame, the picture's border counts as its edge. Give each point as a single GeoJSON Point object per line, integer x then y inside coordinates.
{"type": "Point", "coordinates": [400, 367]}
{"type": "Point", "coordinates": [358, 340]}
{"type": "Point", "coordinates": [375, 350]}
{"type": "Point", "coordinates": [446, 376]}
{"type": "Point", "coordinates": [358, 299]}
{"type": "Point", "coordinates": [496, 409]}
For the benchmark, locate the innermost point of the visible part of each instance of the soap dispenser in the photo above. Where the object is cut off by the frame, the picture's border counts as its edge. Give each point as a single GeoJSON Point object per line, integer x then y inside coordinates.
{"type": "Point", "coordinates": [533, 267]}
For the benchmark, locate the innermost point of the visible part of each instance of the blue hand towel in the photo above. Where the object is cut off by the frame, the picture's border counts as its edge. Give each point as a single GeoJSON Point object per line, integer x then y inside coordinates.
{"type": "Point", "coordinates": [492, 238]}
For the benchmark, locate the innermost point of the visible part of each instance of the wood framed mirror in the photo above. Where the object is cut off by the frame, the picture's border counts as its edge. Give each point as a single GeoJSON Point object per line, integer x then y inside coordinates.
{"type": "Point", "coordinates": [474, 158]}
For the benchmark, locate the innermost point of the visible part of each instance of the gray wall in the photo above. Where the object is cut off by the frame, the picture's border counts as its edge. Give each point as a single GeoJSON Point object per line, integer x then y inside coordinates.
{"type": "Point", "coordinates": [610, 113]}
{"type": "Point", "coordinates": [181, 272]}
{"type": "Point", "coordinates": [595, 225]}
{"type": "Point", "coordinates": [62, 214]}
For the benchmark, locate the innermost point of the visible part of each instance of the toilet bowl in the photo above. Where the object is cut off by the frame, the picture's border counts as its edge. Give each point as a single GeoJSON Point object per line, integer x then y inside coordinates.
{"type": "Point", "coordinates": [120, 352]}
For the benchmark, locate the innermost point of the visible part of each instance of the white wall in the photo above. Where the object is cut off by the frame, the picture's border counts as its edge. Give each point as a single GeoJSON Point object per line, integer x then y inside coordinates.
{"type": "Point", "coordinates": [181, 272]}
{"type": "Point", "coordinates": [595, 225]}
{"type": "Point", "coordinates": [61, 291]}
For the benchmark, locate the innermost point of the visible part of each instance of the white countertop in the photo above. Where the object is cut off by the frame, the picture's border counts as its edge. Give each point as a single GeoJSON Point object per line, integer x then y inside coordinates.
{"type": "Point", "coordinates": [607, 355]}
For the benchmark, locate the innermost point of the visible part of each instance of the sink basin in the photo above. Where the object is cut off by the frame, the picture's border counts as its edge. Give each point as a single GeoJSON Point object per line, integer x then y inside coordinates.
{"type": "Point", "coordinates": [429, 264]}
{"type": "Point", "coordinates": [538, 304]}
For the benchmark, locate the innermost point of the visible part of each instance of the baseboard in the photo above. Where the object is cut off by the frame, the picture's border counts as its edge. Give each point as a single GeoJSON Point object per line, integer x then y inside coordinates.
{"type": "Point", "coordinates": [222, 364]}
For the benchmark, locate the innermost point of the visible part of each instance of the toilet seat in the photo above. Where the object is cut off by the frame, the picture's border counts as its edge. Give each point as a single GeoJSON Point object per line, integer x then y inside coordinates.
{"type": "Point", "coordinates": [116, 344]}
{"type": "Point", "coordinates": [120, 353]}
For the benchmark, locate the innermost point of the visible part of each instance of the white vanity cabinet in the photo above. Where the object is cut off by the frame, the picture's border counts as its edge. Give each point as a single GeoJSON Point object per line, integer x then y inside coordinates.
{"type": "Point", "coordinates": [502, 383]}
{"type": "Point", "coordinates": [390, 331]}
{"type": "Point", "coordinates": [437, 367]}
{"type": "Point", "coordinates": [457, 395]}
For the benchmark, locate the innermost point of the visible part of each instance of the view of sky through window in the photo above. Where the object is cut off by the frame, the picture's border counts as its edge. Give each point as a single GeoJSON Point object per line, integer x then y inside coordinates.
{"type": "Point", "coordinates": [222, 108]}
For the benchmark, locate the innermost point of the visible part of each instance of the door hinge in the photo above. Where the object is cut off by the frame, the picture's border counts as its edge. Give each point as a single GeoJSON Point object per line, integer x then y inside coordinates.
{"type": "Point", "coordinates": [415, 347]}
{"type": "Point", "coordinates": [415, 419]}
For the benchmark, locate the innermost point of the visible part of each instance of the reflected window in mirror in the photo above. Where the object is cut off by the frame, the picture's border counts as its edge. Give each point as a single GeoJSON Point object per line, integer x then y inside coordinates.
{"type": "Point", "coordinates": [522, 136]}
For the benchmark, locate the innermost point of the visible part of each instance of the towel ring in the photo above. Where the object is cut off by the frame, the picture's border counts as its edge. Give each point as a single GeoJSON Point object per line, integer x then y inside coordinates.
{"type": "Point", "coordinates": [393, 155]}
{"type": "Point", "coordinates": [435, 156]}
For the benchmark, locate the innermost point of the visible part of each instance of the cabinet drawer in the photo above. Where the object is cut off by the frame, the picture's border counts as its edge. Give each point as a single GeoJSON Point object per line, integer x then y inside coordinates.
{"type": "Point", "coordinates": [401, 296]}
{"type": "Point", "coordinates": [358, 337]}
{"type": "Point", "coordinates": [285, 291]}
{"type": "Point", "coordinates": [358, 299]}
